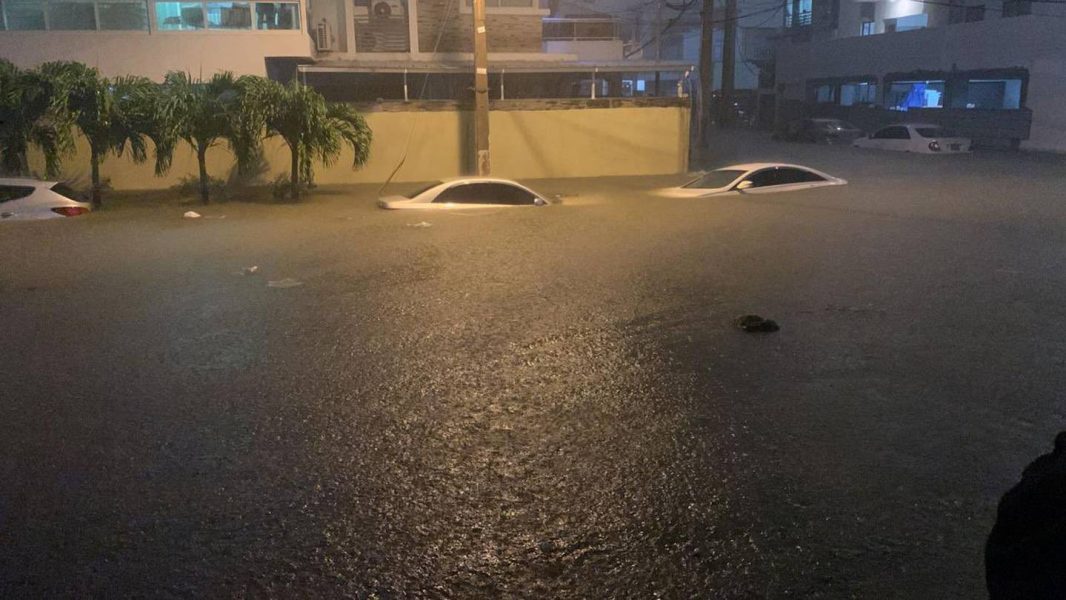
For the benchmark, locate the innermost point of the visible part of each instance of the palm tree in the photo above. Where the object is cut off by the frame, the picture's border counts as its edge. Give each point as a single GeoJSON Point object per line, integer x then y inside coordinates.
{"type": "Point", "coordinates": [313, 129]}
{"type": "Point", "coordinates": [202, 113]}
{"type": "Point", "coordinates": [104, 110]}
{"type": "Point", "coordinates": [30, 115]}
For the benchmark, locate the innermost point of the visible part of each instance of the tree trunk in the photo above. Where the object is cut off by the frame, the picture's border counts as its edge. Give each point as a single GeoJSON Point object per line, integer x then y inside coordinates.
{"type": "Point", "coordinates": [201, 158]}
{"type": "Point", "coordinates": [295, 178]}
{"type": "Point", "coordinates": [94, 159]}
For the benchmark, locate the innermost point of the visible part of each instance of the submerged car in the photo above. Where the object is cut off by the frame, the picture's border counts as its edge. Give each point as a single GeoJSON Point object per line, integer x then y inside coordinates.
{"type": "Point", "coordinates": [466, 192]}
{"type": "Point", "coordinates": [916, 137]}
{"type": "Point", "coordinates": [753, 178]}
{"type": "Point", "coordinates": [822, 131]}
{"type": "Point", "coordinates": [30, 199]}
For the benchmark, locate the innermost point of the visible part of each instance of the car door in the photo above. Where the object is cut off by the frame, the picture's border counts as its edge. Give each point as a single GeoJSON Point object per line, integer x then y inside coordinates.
{"type": "Point", "coordinates": [897, 138]}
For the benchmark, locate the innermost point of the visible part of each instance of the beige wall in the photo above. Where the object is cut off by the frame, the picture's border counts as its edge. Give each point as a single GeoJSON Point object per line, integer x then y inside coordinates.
{"type": "Point", "coordinates": [525, 144]}
{"type": "Point", "coordinates": [152, 54]}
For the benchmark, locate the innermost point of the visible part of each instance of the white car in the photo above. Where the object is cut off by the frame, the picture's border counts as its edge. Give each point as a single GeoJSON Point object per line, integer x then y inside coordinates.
{"type": "Point", "coordinates": [752, 178]}
{"type": "Point", "coordinates": [466, 192]}
{"type": "Point", "coordinates": [915, 137]}
{"type": "Point", "coordinates": [26, 199]}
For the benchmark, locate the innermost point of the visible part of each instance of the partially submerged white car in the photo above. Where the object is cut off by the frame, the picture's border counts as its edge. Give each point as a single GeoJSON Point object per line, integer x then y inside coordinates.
{"type": "Point", "coordinates": [466, 192]}
{"type": "Point", "coordinates": [30, 199]}
{"type": "Point", "coordinates": [752, 178]}
{"type": "Point", "coordinates": [922, 138]}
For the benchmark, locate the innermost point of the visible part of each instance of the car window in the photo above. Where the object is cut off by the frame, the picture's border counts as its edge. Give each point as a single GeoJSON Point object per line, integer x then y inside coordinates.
{"type": "Point", "coordinates": [714, 179]}
{"type": "Point", "coordinates": [788, 175]}
{"type": "Point", "coordinates": [764, 178]}
{"type": "Point", "coordinates": [892, 133]}
{"type": "Point", "coordinates": [65, 191]}
{"type": "Point", "coordinates": [424, 188]}
{"type": "Point", "coordinates": [935, 132]}
{"type": "Point", "coordinates": [485, 193]}
{"type": "Point", "coordinates": [14, 192]}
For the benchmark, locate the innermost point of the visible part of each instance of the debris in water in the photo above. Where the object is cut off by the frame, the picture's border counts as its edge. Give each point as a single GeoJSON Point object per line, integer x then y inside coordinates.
{"type": "Point", "coordinates": [252, 270]}
{"type": "Point", "coordinates": [756, 324]}
{"type": "Point", "coordinates": [288, 282]}
{"type": "Point", "coordinates": [420, 224]}
{"type": "Point", "coordinates": [192, 214]}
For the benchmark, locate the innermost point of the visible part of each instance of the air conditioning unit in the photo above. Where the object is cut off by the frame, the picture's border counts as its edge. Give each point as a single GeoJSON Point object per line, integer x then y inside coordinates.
{"type": "Point", "coordinates": [324, 37]}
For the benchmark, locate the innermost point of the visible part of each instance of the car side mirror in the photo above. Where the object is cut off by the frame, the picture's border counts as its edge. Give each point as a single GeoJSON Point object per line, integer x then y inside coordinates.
{"type": "Point", "coordinates": [743, 185]}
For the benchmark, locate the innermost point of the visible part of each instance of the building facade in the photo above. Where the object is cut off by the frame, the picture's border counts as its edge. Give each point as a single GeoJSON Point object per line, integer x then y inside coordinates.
{"type": "Point", "coordinates": [996, 71]}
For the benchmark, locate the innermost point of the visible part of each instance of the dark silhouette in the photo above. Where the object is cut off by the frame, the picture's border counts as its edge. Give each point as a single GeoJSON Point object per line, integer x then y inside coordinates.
{"type": "Point", "coordinates": [1025, 556]}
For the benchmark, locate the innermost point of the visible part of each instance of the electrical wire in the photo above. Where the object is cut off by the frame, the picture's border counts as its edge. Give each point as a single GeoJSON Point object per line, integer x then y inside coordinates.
{"type": "Point", "coordinates": [421, 95]}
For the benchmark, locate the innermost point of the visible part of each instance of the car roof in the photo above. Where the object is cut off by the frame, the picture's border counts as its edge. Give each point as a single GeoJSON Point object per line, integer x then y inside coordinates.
{"type": "Point", "coordinates": [753, 166]}
{"type": "Point", "coordinates": [25, 181]}
{"type": "Point", "coordinates": [481, 179]}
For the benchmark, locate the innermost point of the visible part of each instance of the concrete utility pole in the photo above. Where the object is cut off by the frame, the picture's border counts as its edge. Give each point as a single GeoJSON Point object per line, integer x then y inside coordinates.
{"type": "Point", "coordinates": [729, 63]}
{"type": "Point", "coordinates": [481, 91]}
{"type": "Point", "coordinates": [706, 68]}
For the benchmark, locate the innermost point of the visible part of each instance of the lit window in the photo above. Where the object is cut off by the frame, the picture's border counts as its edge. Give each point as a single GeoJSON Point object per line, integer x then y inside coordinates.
{"type": "Point", "coordinates": [990, 94]}
{"type": "Point", "coordinates": [229, 15]}
{"type": "Point", "coordinates": [179, 16]}
{"type": "Point", "coordinates": [277, 15]}
{"type": "Point", "coordinates": [904, 95]}
{"type": "Point", "coordinates": [858, 93]}
{"type": "Point", "coordinates": [868, 28]}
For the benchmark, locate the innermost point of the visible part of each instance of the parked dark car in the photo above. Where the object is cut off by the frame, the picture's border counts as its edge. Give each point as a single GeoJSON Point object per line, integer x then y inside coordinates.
{"type": "Point", "coordinates": [822, 131]}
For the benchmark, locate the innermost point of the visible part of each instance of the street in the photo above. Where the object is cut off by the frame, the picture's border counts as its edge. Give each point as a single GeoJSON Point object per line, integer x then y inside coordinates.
{"type": "Point", "coordinates": [536, 402]}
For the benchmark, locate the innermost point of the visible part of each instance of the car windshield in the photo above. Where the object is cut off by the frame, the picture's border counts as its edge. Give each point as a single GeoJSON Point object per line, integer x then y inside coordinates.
{"type": "Point", "coordinates": [714, 179]}
{"type": "Point", "coordinates": [935, 132]}
{"type": "Point", "coordinates": [424, 188]}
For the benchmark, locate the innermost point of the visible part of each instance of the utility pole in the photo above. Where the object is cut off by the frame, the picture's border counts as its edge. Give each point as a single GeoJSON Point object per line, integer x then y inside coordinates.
{"type": "Point", "coordinates": [481, 91]}
{"type": "Point", "coordinates": [658, 43]}
{"type": "Point", "coordinates": [729, 63]}
{"type": "Point", "coordinates": [706, 69]}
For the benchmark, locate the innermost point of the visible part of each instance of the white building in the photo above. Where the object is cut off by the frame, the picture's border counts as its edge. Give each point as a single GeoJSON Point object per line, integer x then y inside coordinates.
{"type": "Point", "coordinates": [995, 70]}
{"type": "Point", "coordinates": [122, 37]}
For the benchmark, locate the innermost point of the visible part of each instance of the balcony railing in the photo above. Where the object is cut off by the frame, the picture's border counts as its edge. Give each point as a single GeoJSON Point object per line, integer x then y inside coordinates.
{"type": "Point", "coordinates": [575, 29]}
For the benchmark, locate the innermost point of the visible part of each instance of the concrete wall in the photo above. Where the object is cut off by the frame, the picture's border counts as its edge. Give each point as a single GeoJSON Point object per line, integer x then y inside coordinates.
{"type": "Point", "coordinates": [152, 54]}
{"type": "Point", "coordinates": [1031, 42]}
{"type": "Point", "coordinates": [528, 139]}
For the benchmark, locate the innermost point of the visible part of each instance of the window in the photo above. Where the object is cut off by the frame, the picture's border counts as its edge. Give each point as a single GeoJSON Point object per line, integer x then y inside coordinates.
{"type": "Point", "coordinates": [798, 13]}
{"type": "Point", "coordinates": [486, 193]}
{"type": "Point", "coordinates": [179, 16]}
{"type": "Point", "coordinates": [277, 15]}
{"type": "Point", "coordinates": [868, 28]}
{"type": "Point", "coordinates": [858, 93]}
{"type": "Point", "coordinates": [908, 23]}
{"type": "Point", "coordinates": [714, 179]}
{"type": "Point", "coordinates": [71, 16]}
{"type": "Point", "coordinates": [23, 15]}
{"type": "Point", "coordinates": [904, 95]}
{"type": "Point", "coordinates": [122, 15]}
{"type": "Point", "coordinates": [229, 15]}
{"type": "Point", "coordinates": [787, 175]}
{"type": "Point", "coordinates": [825, 94]}
{"type": "Point", "coordinates": [14, 192]}
{"type": "Point", "coordinates": [989, 94]}
{"type": "Point", "coordinates": [892, 133]}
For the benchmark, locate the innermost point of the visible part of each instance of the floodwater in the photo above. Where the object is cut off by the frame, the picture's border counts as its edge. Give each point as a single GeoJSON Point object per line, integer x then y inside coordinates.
{"type": "Point", "coordinates": [545, 402]}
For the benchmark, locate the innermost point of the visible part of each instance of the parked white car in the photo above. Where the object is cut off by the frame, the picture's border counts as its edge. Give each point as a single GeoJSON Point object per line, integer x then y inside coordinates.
{"type": "Point", "coordinates": [26, 199]}
{"type": "Point", "coordinates": [466, 192]}
{"type": "Point", "coordinates": [916, 137]}
{"type": "Point", "coordinates": [752, 178]}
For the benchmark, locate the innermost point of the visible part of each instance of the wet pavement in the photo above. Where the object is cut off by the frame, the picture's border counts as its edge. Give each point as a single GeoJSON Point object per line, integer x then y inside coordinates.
{"type": "Point", "coordinates": [536, 402]}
